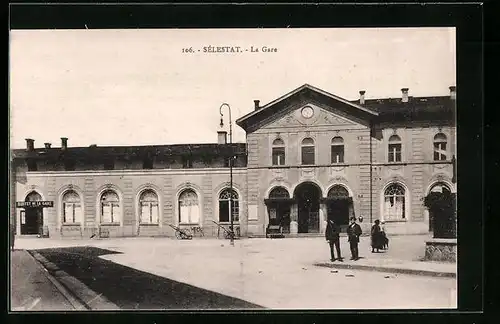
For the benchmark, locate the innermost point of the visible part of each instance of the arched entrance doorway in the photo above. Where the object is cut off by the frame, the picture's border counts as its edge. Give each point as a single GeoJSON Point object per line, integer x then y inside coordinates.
{"type": "Point", "coordinates": [339, 205]}
{"type": "Point", "coordinates": [438, 187]}
{"type": "Point", "coordinates": [307, 196]}
{"type": "Point", "coordinates": [32, 217]}
{"type": "Point", "coordinates": [278, 208]}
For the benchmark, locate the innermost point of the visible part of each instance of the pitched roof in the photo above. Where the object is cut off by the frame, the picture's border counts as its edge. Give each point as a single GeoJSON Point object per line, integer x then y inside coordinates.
{"type": "Point", "coordinates": [242, 121]}
{"type": "Point", "coordinates": [131, 151]}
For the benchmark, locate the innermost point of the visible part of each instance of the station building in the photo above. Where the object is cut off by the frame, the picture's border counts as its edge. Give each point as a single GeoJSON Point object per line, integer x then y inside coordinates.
{"type": "Point", "coordinates": [309, 156]}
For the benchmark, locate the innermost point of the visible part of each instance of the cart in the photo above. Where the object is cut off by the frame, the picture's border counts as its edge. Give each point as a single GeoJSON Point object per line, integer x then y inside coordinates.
{"type": "Point", "coordinates": [181, 234]}
{"type": "Point", "coordinates": [228, 234]}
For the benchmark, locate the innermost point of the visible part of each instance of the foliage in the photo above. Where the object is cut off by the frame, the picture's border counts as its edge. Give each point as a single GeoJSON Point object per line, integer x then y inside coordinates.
{"type": "Point", "coordinates": [442, 209]}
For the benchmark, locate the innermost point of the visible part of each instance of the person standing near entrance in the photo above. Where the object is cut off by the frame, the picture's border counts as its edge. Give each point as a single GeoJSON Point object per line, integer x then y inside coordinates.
{"type": "Point", "coordinates": [332, 235]}
{"type": "Point", "coordinates": [353, 234]}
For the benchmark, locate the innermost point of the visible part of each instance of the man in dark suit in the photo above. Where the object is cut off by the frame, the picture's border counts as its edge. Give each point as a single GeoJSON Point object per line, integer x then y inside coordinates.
{"type": "Point", "coordinates": [353, 233]}
{"type": "Point", "coordinates": [332, 235]}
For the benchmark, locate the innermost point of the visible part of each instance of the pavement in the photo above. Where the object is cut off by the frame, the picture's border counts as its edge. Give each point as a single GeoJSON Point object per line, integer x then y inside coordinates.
{"type": "Point", "coordinates": [33, 289]}
{"type": "Point", "coordinates": [164, 273]}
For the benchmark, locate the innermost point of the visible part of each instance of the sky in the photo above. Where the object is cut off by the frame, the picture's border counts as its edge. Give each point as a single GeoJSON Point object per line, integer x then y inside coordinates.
{"type": "Point", "coordinates": [137, 87]}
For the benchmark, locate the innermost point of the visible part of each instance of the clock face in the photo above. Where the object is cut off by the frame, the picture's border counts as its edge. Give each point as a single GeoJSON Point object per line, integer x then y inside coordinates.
{"type": "Point", "coordinates": [307, 112]}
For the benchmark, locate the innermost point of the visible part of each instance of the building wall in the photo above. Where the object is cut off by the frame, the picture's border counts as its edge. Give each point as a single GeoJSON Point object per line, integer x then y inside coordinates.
{"type": "Point", "coordinates": [168, 184]}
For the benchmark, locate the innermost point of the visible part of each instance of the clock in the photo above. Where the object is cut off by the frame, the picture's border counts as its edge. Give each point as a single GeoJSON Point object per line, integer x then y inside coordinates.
{"type": "Point", "coordinates": [307, 112]}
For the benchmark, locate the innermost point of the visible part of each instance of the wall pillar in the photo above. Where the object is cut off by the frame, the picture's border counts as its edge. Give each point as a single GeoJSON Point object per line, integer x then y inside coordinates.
{"type": "Point", "coordinates": [294, 214]}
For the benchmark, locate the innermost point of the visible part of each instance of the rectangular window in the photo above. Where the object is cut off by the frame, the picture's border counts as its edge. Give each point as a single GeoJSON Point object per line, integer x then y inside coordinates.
{"type": "Point", "coordinates": [106, 213]}
{"type": "Point", "coordinates": [145, 213]}
{"type": "Point", "coordinates": [68, 213]}
{"type": "Point", "coordinates": [78, 213]}
{"type": "Point", "coordinates": [440, 151]}
{"type": "Point", "coordinates": [394, 152]}
{"type": "Point", "coordinates": [223, 211]}
{"type": "Point", "coordinates": [278, 156]}
{"type": "Point", "coordinates": [308, 155]}
{"type": "Point", "coordinates": [236, 209]}
{"type": "Point", "coordinates": [337, 154]}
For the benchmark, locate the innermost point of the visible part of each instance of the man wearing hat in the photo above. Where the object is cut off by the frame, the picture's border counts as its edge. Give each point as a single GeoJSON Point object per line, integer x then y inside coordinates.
{"type": "Point", "coordinates": [353, 233]}
{"type": "Point", "coordinates": [332, 235]}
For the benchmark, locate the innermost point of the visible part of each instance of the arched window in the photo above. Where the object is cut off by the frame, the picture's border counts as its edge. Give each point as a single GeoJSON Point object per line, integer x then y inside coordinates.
{"type": "Point", "coordinates": [394, 149]}
{"type": "Point", "coordinates": [189, 210]}
{"type": "Point", "coordinates": [440, 187]}
{"type": "Point", "coordinates": [278, 152]}
{"type": "Point", "coordinates": [338, 191]}
{"type": "Point", "coordinates": [72, 207]}
{"type": "Point", "coordinates": [308, 151]}
{"type": "Point", "coordinates": [337, 150]}
{"type": "Point", "coordinates": [279, 192]}
{"type": "Point", "coordinates": [394, 202]}
{"type": "Point", "coordinates": [440, 147]}
{"type": "Point", "coordinates": [110, 207]}
{"type": "Point", "coordinates": [226, 204]}
{"type": "Point", "coordinates": [148, 203]}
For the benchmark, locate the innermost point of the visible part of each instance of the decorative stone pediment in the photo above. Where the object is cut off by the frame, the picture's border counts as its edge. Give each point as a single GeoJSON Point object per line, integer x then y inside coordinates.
{"type": "Point", "coordinates": [310, 115]}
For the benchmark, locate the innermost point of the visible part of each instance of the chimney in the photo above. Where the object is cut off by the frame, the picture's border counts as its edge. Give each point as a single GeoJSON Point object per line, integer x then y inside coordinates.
{"type": "Point", "coordinates": [256, 104]}
{"type": "Point", "coordinates": [30, 144]}
{"type": "Point", "coordinates": [64, 143]}
{"type": "Point", "coordinates": [453, 92]}
{"type": "Point", "coordinates": [404, 97]}
{"type": "Point", "coordinates": [362, 97]}
{"type": "Point", "coordinates": [47, 145]}
{"type": "Point", "coordinates": [221, 137]}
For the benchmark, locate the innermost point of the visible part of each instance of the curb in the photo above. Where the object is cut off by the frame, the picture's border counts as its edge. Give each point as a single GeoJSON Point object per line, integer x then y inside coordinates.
{"type": "Point", "coordinates": [77, 305]}
{"type": "Point", "coordinates": [443, 274]}
{"type": "Point", "coordinates": [78, 294]}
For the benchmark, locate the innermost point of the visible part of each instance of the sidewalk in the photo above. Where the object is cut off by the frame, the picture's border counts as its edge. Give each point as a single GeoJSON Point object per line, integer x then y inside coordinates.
{"type": "Point", "coordinates": [32, 288]}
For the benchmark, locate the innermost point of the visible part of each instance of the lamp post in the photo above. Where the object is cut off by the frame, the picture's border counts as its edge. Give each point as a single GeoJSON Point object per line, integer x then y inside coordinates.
{"type": "Point", "coordinates": [231, 230]}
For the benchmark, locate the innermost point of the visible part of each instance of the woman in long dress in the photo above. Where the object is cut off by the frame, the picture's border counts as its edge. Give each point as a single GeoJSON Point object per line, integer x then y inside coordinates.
{"type": "Point", "coordinates": [376, 237]}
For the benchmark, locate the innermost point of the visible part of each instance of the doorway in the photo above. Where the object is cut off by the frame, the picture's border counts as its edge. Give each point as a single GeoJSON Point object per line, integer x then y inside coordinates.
{"type": "Point", "coordinates": [307, 196]}
{"type": "Point", "coordinates": [338, 206]}
{"type": "Point", "coordinates": [32, 218]}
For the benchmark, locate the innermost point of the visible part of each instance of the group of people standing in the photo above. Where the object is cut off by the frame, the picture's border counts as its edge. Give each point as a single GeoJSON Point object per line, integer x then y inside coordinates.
{"type": "Point", "coordinates": [379, 239]}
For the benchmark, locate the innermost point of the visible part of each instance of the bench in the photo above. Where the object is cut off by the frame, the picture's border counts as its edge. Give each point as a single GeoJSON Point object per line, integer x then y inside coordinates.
{"type": "Point", "coordinates": [274, 231]}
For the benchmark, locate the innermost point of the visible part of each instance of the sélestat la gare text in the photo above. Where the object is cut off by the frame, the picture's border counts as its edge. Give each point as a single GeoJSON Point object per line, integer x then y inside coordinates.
{"type": "Point", "coordinates": [231, 49]}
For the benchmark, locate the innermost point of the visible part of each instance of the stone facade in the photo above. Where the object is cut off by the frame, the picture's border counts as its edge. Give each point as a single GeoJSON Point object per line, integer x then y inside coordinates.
{"type": "Point", "coordinates": [365, 173]}
{"type": "Point", "coordinates": [441, 250]}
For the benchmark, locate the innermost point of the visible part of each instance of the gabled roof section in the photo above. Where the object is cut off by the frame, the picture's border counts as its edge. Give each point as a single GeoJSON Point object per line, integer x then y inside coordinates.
{"type": "Point", "coordinates": [274, 106]}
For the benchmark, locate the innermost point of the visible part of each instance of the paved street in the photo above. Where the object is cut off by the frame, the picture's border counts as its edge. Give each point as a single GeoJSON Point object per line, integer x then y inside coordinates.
{"type": "Point", "coordinates": [278, 274]}
{"type": "Point", "coordinates": [31, 288]}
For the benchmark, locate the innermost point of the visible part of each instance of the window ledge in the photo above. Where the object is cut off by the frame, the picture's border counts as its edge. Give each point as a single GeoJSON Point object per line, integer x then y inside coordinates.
{"type": "Point", "coordinates": [189, 224]}
{"type": "Point", "coordinates": [149, 224]}
{"type": "Point", "coordinates": [110, 224]}
{"type": "Point", "coordinates": [395, 221]}
{"type": "Point", "coordinates": [72, 224]}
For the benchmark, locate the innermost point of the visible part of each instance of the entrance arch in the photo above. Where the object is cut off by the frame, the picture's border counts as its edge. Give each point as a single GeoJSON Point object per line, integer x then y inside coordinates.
{"type": "Point", "coordinates": [339, 205]}
{"type": "Point", "coordinates": [439, 187]}
{"type": "Point", "coordinates": [278, 208]}
{"type": "Point", "coordinates": [307, 196]}
{"type": "Point", "coordinates": [32, 217]}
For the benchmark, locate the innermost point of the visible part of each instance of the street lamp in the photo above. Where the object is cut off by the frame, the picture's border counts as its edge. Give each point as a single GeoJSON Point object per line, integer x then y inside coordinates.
{"type": "Point", "coordinates": [231, 230]}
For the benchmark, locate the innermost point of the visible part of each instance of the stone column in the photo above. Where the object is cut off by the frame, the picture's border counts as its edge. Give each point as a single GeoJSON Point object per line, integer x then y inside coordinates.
{"type": "Point", "coordinates": [323, 215]}
{"type": "Point", "coordinates": [294, 226]}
